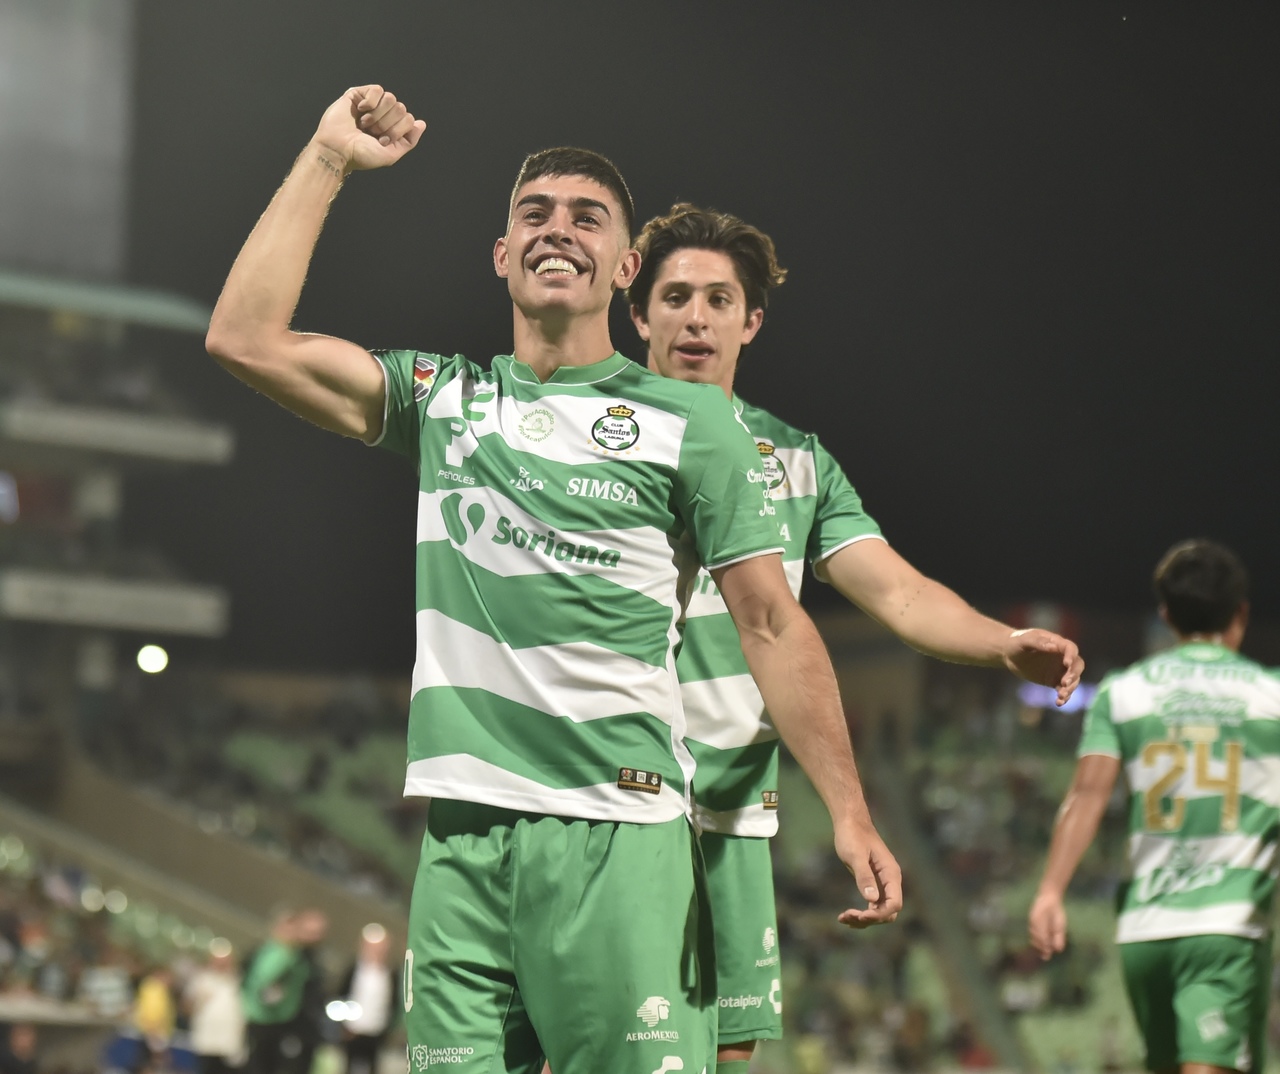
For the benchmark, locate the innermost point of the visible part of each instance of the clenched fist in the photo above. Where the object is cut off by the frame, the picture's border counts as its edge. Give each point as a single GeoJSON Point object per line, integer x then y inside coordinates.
{"type": "Point", "coordinates": [367, 128]}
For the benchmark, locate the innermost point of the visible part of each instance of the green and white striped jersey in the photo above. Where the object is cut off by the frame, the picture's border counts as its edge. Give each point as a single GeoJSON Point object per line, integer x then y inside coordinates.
{"type": "Point", "coordinates": [730, 733]}
{"type": "Point", "coordinates": [559, 526]}
{"type": "Point", "coordinates": [1198, 731]}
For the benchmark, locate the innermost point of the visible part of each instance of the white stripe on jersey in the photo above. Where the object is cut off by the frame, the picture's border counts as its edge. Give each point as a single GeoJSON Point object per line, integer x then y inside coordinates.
{"type": "Point", "coordinates": [1150, 852]}
{"type": "Point", "coordinates": [580, 680]}
{"type": "Point", "coordinates": [1259, 778]}
{"type": "Point", "coordinates": [470, 779]}
{"type": "Point", "coordinates": [645, 559]}
{"type": "Point", "coordinates": [573, 416]}
{"type": "Point", "coordinates": [753, 821]}
{"type": "Point", "coordinates": [718, 712]}
{"type": "Point", "coordinates": [1161, 923]}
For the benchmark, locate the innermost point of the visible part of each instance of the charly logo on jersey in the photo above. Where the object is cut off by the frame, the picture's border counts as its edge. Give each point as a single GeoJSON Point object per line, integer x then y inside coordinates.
{"type": "Point", "coordinates": [463, 525]}
{"type": "Point", "coordinates": [674, 1062]}
{"type": "Point", "coordinates": [652, 1011]}
{"type": "Point", "coordinates": [775, 995]}
{"type": "Point", "coordinates": [775, 473]}
{"type": "Point", "coordinates": [526, 482]}
{"type": "Point", "coordinates": [424, 375]}
{"type": "Point", "coordinates": [537, 425]}
{"type": "Point", "coordinates": [617, 430]}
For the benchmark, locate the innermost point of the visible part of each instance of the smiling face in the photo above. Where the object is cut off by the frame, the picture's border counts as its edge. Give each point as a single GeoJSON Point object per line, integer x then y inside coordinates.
{"type": "Point", "coordinates": [697, 321]}
{"type": "Point", "coordinates": [566, 249]}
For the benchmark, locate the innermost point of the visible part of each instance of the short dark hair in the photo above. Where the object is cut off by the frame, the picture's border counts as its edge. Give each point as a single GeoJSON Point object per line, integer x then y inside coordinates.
{"type": "Point", "coordinates": [750, 249]}
{"type": "Point", "coordinates": [1202, 584]}
{"type": "Point", "coordinates": [568, 160]}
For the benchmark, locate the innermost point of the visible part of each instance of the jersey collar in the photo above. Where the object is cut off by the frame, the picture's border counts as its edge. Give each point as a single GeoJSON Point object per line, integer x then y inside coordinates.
{"type": "Point", "coordinates": [572, 374]}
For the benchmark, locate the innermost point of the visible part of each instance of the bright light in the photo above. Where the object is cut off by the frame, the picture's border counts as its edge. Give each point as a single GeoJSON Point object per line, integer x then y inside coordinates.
{"type": "Point", "coordinates": [152, 659]}
{"type": "Point", "coordinates": [340, 1010]}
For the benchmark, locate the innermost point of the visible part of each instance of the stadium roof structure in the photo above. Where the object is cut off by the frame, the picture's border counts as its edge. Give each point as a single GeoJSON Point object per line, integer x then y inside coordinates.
{"type": "Point", "coordinates": [109, 301]}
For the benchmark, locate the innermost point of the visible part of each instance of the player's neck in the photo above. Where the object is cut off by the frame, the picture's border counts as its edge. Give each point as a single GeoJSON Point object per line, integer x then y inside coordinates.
{"type": "Point", "coordinates": [1226, 640]}
{"type": "Point", "coordinates": [545, 345]}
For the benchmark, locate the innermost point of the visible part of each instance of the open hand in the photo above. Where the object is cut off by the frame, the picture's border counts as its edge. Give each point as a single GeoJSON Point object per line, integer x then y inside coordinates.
{"type": "Point", "coordinates": [1046, 658]}
{"type": "Point", "coordinates": [877, 874]}
{"type": "Point", "coordinates": [368, 128]}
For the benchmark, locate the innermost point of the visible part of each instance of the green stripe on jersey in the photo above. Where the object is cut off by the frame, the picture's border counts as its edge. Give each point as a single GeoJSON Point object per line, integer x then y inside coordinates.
{"type": "Point", "coordinates": [1197, 729]}
{"type": "Point", "coordinates": [817, 513]}
{"type": "Point", "coordinates": [558, 524]}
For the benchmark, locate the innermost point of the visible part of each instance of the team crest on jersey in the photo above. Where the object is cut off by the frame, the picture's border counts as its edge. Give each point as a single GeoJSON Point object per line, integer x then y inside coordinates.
{"type": "Point", "coordinates": [537, 425]}
{"type": "Point", "coordinates": [424, 375]}
{"type": "Point", "coordinates": [775, 474]}
{"type": "Point", "coordinates": [636, 779]}
{"type": "Point", "coordinates": [770, 799]}
{"type": "Point", "coordinates": [617, 430]}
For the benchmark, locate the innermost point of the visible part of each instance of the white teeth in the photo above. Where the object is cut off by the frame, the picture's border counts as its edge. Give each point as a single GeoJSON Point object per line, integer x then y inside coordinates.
{"type": "Point", "coordinates": [556, 264]}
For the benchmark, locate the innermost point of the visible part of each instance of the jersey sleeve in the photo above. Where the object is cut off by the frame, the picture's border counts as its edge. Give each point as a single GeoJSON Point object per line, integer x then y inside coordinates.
{"type": "Point", "coordinates": [410, 377]}
{"type": "Point", "coordinates": [840, 519]}
{"type": "Point", "coordinates": [1099, 733]}
{"type": "Point", "coordinates": [720, 489]}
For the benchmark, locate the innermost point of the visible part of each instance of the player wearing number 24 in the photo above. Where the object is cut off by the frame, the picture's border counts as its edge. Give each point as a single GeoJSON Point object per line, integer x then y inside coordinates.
{"type": "Point", "coordinates": [1196, 731]}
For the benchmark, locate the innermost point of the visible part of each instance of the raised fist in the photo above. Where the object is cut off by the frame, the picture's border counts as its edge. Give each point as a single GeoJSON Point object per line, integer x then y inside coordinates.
{"type": "Point", "coordinates": [368, 128]}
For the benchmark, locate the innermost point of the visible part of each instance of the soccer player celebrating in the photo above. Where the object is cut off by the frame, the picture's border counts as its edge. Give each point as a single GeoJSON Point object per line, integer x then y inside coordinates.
{"type": "Point", "coordinates": [1197, 731]}
{"type": "Point", "coordinates": [565, 499]}
{"type": "Point", "coordinates": [697, 301]}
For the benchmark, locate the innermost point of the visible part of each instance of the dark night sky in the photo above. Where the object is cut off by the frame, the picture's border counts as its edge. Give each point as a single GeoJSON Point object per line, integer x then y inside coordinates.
{"type": "Point", "coordinates": [1033, 294]}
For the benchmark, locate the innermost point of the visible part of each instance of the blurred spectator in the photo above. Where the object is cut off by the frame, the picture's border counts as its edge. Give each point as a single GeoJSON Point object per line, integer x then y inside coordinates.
{"type": "Point", "coordinates": [154, 1012]}
{"type": "Point", "coordinates": [217, 1012]}
{"type": "Point", "coordinates": [370, 988]}
{"type": "Point", "coordinates": [283, 996]}
{"type": "Point", "coordinates": [18, 1051]}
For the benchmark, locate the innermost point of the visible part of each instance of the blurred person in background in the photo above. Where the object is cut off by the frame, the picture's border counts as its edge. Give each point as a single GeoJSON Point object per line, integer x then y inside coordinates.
{"type": "Point", "coordinates": [371, 988]}
{"type": "Point", "coordinates": [545, 725]}
{"type": "Point", "coordinates": [212, 997]}
{"type": "Point", "coordinates": [155, 1014]}
{"type": "Point", "coordinates": [18, 1049]}
{"type": "Point", "coordinates": [1197, 731]}
{"type": "Point", "coordinates": [281, 992]}
{"type": "Point", "coordinates": [697, 302]}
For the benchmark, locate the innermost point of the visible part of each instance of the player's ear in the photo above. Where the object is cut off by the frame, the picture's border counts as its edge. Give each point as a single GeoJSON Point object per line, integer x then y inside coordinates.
{"type": "Point", "coordinates": [627, 269]}
{"type": "Point", "coordinates": [642, 324]}
{"type": "Point", "coordinates": [1163, 612]}
{"type": "Point", "coordinates": [500, 257]}
{"type": "Point", "coordinates": [754, 320]}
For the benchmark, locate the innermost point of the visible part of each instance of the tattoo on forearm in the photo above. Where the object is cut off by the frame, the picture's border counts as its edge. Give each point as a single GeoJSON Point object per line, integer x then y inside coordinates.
{"type": "Point", "coordinates": [329, 166]}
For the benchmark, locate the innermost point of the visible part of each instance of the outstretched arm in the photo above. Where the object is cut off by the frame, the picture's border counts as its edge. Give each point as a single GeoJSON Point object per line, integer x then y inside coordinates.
{"type": "Point", "coordinates": [1077, 824]}
{"type": "Point", "coordinates": [333, 383]}
{"type": "Point", "coordinates": [932, 618]}
{"type": "Point", "coordinates": [791, 666]}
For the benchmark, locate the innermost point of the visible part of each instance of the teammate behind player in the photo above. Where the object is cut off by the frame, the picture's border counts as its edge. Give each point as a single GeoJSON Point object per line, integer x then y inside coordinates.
{"type": "Point", "coordinates": [1197, 731]}
{"type": "Point", "coordinates": [698, 300]}
{"type": "Point", "coordinates": [563, 497]}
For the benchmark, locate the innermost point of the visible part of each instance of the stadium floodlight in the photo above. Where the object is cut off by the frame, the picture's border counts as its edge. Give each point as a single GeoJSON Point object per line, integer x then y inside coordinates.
{"type": "Point", "coordinates": [152, 659]}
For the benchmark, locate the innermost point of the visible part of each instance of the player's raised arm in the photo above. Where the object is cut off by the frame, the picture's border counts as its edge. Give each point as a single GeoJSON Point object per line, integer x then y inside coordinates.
{"type": "Point", "coordinates": [333, 383]}
{"type": "Point", "coordinates": [935, 620]}
{"type": "Point", "coordinates": [793, 671]}
{"type": "Point", "coordinates": [1077, 824]}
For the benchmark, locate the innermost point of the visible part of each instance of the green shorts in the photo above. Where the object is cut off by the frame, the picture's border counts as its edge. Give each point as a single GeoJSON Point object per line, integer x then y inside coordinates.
{"type": "Point", "coordinates": [536, 936]}
{"type": "Point", "coordinates": [748, 974]}
{"type": "Point", "coordinates": [1200, 999]}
